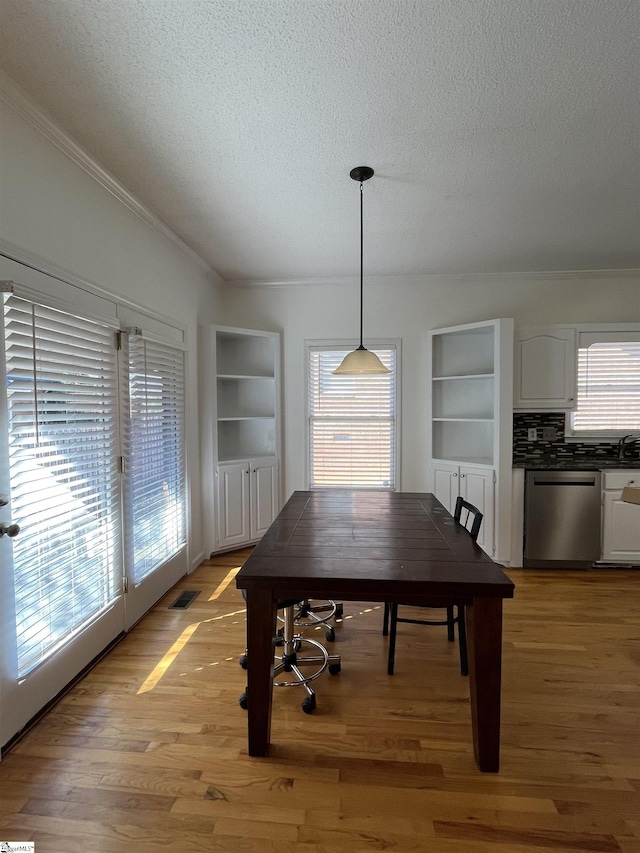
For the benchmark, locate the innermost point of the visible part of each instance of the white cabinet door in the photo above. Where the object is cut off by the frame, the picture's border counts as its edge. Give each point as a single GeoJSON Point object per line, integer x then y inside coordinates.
{"type": "Point", "coordinates": [233, 504]}
{"type": "Point", "coordinates": [445, 484]}
{"type": "Point", "coordinates": [477, 487]}
{"type": "Point", "coordinates": [545, 368]}
{"type": "Point", "coordinates": [264, 495]}
{"type": "Point", "coordinates": [620, 529]}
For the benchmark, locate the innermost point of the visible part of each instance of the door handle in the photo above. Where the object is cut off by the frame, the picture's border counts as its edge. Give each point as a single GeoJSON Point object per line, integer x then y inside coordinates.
{"type": "Point", "coordinates": [10, 529]}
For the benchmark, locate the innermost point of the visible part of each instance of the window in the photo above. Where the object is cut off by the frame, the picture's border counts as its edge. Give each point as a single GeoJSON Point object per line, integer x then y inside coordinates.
{"type": "Point", "coordinates": [155, 497]}
{"type": "Point", "coordinates": [352, 422]}
{"type": "Point", "coordinates": [608, 402]}
{"type": "Point", "coordinates": [63, 433]}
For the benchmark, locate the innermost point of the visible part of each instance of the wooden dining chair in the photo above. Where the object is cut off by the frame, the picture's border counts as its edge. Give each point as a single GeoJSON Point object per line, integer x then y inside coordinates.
{"type": "Point", "coordinates": [469, 517]}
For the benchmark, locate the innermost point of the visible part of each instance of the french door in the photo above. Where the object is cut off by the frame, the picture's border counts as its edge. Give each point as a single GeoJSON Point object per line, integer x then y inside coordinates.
{"type": "Point", "coordinates": [92, 487]}
{"type": "Point", "coordinates": [154, 469]}
{"type": "Point", "coordinates": [62, 572]}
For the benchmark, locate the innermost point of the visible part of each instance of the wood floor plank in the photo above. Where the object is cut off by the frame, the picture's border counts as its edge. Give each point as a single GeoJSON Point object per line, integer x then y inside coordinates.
{"type": "Point", "coordinates": [149, 749]}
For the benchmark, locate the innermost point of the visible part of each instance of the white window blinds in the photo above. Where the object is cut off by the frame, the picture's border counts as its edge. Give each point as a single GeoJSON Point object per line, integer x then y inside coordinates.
{"type": "Point", "coordinates": [352, 423]}
{"type": "Point", "coordinates": [62, 407]}
{"type": "Point", "coordinates": [608, 388]}
{"type": "Point", "coordinates": [154, 448]}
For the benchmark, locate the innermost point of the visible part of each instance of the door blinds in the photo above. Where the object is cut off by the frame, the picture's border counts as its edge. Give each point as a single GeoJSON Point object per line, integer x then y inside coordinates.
{"type": "Point", "coordinates": [154, 451]}
{"type": "Point", "coordinates": [352, 423]}
{"type": "Point", "coordinates": [62, 407]}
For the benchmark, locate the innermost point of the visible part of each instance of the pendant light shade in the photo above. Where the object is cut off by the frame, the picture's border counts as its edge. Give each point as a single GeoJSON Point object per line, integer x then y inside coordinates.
{"type": "Point", "coordinates": [361, 362]}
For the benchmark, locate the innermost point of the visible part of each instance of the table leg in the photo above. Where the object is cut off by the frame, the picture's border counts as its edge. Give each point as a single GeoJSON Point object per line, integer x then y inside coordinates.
{"type": "Point", "coordinates": [261, 622]}
{"type": "Point", "coordinates": [484, 639]}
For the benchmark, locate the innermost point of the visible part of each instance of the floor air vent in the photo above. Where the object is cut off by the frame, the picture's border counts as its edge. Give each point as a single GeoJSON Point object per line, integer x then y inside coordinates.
{"type": "Point", "coordinates": [185, 599]}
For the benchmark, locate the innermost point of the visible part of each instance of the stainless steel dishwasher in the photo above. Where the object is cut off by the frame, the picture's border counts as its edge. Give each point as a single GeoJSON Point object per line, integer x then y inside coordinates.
{"type": "Point", "coordinates": [562, 516]}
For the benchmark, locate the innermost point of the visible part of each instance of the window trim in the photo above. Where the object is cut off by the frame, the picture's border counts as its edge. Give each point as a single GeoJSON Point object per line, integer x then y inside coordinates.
{"type": "Point", "coordinates": [352, 343]}
{"type": "Point", "coordinates": [598, 333]}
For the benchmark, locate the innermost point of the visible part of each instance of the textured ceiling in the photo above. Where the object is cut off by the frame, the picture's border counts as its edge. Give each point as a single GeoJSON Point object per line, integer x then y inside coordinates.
{"type": "Point", "coordinates": [504, 133]}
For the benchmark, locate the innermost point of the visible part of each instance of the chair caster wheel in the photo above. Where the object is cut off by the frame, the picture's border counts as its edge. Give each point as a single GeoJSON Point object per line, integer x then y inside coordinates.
{"type": "Point", "coordinates": [334, 668]}
{"type": "Point", "coordinates": [330, 635]}
{"type": "Point", "coordinates": [243, 662]}
{"type": "Point", "coordinates": [309, 704]}
{"type": "Point", "coordinates": [243, 701]}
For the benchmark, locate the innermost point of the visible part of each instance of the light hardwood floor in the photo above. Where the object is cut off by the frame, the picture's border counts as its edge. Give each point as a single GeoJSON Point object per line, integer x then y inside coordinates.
{"type": "Point", "coordinates": [148, 751]}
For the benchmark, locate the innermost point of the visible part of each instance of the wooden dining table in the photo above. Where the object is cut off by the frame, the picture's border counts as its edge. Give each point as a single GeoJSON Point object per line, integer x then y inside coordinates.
{"type": "Point", "coordinates": [375, 546]}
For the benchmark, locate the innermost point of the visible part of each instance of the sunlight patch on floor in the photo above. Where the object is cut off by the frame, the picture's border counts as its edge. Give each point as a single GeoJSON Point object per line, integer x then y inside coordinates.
{"type": "Point", "coordinates": [160, 669]}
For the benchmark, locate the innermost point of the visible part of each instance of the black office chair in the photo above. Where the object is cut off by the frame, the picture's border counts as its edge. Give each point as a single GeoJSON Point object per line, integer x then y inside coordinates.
{"type": "Point", "coordinates": [470, 518]}
{"type": "Point", "coordinates": [288, 660]}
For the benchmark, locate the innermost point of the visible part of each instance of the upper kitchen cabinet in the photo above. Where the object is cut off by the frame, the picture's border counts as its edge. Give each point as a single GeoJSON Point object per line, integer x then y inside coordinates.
{"type": "Point", "coordinates": [241, 408]}
{"type": "Point", "coordinates": [471, 418]}
{"type": "Point", "coordinates": [545, 369]}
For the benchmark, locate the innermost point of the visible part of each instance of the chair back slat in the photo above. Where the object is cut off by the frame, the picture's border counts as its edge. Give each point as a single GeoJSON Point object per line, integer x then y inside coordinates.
{"type": "Point", "coordinates": [472, 517]}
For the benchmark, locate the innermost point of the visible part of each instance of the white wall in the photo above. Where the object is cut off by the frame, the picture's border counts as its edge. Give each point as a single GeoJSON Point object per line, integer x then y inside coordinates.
{"type": "Point", "coordinates": [407, 309]}
{"type": "Point", "coordinates": [53, 211]}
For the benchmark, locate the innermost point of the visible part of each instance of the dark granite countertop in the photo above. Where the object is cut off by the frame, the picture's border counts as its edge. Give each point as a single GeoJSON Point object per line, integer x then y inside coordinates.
{"type": "Point", "coordinates": [575, 463]}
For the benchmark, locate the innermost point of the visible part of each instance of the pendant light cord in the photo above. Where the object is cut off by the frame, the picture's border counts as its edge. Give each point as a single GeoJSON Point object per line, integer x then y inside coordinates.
{"type": "Point", "coordinates": [361, 265]}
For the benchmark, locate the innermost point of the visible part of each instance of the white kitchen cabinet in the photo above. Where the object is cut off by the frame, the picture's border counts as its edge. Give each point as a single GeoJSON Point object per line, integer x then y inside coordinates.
{"type": "Point", "coordinates": [241, 434]}
{"type": "Point", "coordinates": [471, 422]}
{"type": "Point", "coordinates": [475, 485]}
{"type": "Point", "coordinates": [247, 501]}
{"type": "Point", "coordinates": [620, 520]}
{"type": "Point", "coordinates": [545, 368]}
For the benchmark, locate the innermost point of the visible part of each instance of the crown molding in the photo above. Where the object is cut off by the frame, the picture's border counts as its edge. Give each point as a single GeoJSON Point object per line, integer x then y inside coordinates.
{"type": "Point", "coordinates": [445, 278]}
{"type": "Point", "coordinates": [31, 260]}
{"type": "Point", "coordinates": [26, 108]}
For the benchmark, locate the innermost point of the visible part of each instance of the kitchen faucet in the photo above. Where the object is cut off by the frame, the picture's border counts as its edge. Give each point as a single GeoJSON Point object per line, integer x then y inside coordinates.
{"type": "Point", "coordinates": [623, 444]}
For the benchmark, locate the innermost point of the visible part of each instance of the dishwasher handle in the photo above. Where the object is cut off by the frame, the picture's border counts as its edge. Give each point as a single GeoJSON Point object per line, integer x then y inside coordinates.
{"type": "Point", "coordinates": [590, 482]}
{"type": "Point", "coordinates": [565, 478]}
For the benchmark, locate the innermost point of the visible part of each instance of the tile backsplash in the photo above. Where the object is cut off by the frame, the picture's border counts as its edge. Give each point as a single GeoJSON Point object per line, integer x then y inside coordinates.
{"type": "Point", "coordinates": [551, 424]}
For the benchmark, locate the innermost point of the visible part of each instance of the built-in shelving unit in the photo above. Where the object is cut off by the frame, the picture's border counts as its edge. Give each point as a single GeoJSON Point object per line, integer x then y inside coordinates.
{"type": "Point", "coordinates": [242, 433]}
{"type": "Point", "coordinates": [470, 419]}
{"type": "Point", "coordinates": [246, 394]}
{"type": "Point", "coordinates": [463, 395]}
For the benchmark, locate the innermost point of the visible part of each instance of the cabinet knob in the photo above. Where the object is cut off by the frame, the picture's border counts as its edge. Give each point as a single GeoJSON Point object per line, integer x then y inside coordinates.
{"type": "Point", "coordinates": [10, 529]}
{"type": "Point", "coordinates": [570, 399]}
{"type": "Point", "coordinates": [462, 475]}
{"type": "Point", "coordinates": [455, 475]}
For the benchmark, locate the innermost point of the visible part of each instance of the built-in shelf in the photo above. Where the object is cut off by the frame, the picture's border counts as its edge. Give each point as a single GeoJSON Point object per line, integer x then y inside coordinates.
{"type": "Point", "coordinates": [463, 376]}
{"type": "Point", "coordinates": [481, 461]}
{"type": "Point", "coordinates": [243, 433]}
{"type": "Point", "coordinates": [247, 418]}
{"type": "Point", "coordinates": [233, 376]}
{"type": "Point", "coordinates": [469, 425]}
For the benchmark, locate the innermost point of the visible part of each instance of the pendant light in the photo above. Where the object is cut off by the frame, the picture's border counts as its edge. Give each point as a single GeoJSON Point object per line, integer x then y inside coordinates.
{"type": "Point", "coordinates": [361, 362]}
